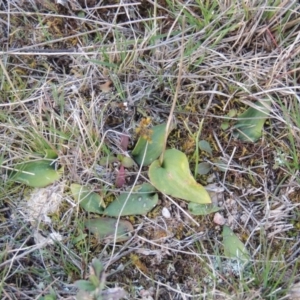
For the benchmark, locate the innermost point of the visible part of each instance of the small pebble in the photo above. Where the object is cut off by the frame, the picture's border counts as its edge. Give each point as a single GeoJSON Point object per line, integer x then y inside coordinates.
{"type": "Point", "coordinates": [165, 212]}
{"type": "Point", "coordinates": [219, 219]}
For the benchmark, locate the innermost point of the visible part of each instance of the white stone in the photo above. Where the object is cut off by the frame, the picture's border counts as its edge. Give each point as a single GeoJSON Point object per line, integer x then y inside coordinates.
{"type": "Point", "coordinates": [166, 213]}
{"type": "Point", "coordinates": [219, 219]}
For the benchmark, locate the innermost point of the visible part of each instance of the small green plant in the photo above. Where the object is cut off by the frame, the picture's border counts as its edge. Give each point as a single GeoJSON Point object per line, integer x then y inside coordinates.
{"type": "Point", "coordinates": [233, 247]}
{"type": "Point", "coordinates": [250, 123]}
{"type": "Point", "coordinates": [93, 288]}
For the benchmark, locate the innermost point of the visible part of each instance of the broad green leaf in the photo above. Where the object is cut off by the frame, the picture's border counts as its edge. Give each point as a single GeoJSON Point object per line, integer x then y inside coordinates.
{"type": "Point", "coordinates": [104, 229]}
{"type": "Point", "coordinates": [250, 123]}
{"type": "Point", "coordinates": [140, 202]}
{"type": "Point", "coordinates": [174, 178]}
{"type": "Point", "coordinates": [233, 247]}
{"type": "Point", "coordinates": [204, 168]}
{"type": "Point", "coordinates": [205, 146]}
{"type": "Point", "coordinates": [202, 209]}
{"type": "Point", "coordinates": [154, 148]}
{"type": "Point", "coordinates": [39, 173]}
{"type": "Point", "coordinates": [88, 200]}
{"type": "Point", "coordinates": [85, 285]}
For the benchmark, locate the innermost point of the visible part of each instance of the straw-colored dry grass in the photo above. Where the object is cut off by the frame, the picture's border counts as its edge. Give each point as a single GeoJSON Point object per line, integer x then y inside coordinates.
{"type": "Point", "coordinates": [74, 80]}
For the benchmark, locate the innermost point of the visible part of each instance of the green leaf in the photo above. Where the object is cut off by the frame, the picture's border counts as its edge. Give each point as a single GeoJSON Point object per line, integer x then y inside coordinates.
{"type": "Point", "coordinates": [154, 148]}
{"type": "Point", "coordinates": [88, 200]}
{"type": "Point", "coordinates": [81, 14]}
{"type": "Point", "coordinates": [232, 113]}
{"type": "Point", "coordinates": [39, 173]}
{"type": "Point", "coordinates": [127, 162]}
{"type": "Point", "coordinates": [48, 297]}
{"type": "Point", "coordinates": [50, 154]}
{"type": "Point", "coordinates": [107, 160]}
{"type": "Point", "coordinates": [224, 125]}
{"type": "Point", "coordinates": [174, 178]}
{"type": "Point", "coordinates": [140, 202]}
{"type": "Point", "coordinates": [97, 267]}
{"type": "Point", "coordinates": [205, 146]}
{"type": "Point", "coordinates": [250, 123]}
{"type": "Point", "coordinates": [85, 285]}
{"type": "Point", "coordinates": [204, 168]}
{"type": "Point", "coordinates": [233, 247]}
{"type": "Point", "coordinates": [104, 229]}
{"type": "Point", "coordinates": [221, 165]}
{"type": "Point", "coordinates": [94, 280]}
{"type": "Point", "coordinates": [202, 209]}
{"type": "Point", "coordinates": [79, 238]}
